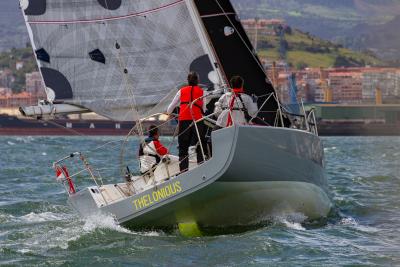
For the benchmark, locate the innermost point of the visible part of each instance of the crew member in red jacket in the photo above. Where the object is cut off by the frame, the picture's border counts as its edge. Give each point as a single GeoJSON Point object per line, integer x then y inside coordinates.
{"type": "Point", "coordinates": [192, 106]}
{"type": "Point", "coordinates": [151, 151]}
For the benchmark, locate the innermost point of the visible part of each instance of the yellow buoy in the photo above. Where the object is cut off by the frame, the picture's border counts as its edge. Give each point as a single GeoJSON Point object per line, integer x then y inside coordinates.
{"type": "Point", "coordinates": [190, 229]}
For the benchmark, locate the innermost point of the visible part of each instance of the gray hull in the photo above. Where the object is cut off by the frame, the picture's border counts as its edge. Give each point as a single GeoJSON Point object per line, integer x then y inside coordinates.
{"type": "Point", "coordinates": [255, 173]}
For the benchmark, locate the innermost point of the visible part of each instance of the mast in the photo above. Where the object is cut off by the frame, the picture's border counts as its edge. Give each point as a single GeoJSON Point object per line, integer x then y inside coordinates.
{"type": "Point", "coordinates": [205, 41]}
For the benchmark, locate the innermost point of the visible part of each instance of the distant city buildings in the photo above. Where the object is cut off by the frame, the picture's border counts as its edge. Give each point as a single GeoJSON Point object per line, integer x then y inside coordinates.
{"type": "Point", "coordinates": [313, 85]}
{"type": "Point", "coordinates": [337, 85]}
{"type": "Point", "coordinates": [19, 65]}
{"type": "Point", "coordinates": [6, 78]}
{"type": "Point", "coordinates": [386, 79]}
{"type": "Point", "coordinates": [34, 84]}
{"type": "Point", "coordinates": [34, 90]}
{"type": "Point", "coordinates": [346, 87]}
{"type": "Point", "coordinates": [17, 100]}
{"type": "Point", "coordinates": [5, 91]}
{"type": "Point", "coordinates": [340, 85]}
{"type": "Point", "coordinates": [262, 26]}
{"type": "Point", "coordinates": [258, 28]}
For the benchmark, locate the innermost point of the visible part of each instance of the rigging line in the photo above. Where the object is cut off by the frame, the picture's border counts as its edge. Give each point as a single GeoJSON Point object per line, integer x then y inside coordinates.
{"type": "Point", "coordinates": [242, 39]}
{"type": "Point", "coordinates": [173, 137]}
{"type": "Point", "coordinates": [138, 14]}
{"type": "Point", "coordinates": [261, 96]}
{"type": "Point", "coordinates": [130, 92]}
{"type": "Point", "coordinates": [291, 85]}
{"type": "Point", "coordinates": [138, 124]}
{"type": "Point", "coordinates": [169, 96]}
{"type": "Point", "coordinates": [103, 145]}
{"type": "Point", "coordinates": [217, 66]}
{"type": "Point", "coordinates": [217, 15]}
{"type": "Point", "coordinates": [141, 134]}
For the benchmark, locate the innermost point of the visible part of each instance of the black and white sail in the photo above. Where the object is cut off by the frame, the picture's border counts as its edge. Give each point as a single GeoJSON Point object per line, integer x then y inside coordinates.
{"type": "Point", "coordinates": [125, 59]}
{"type": "Point", "coordinates": [115, 57]}
{"type": "Point", "coordinates": [235, 52]}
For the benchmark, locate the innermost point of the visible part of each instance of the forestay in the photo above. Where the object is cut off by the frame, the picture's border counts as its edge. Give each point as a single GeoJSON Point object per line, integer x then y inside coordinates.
{"type": "Point", "coordinates": [112, 55]}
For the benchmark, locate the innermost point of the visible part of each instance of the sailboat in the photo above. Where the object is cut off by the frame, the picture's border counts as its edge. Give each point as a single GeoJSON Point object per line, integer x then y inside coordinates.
{"type": "Point", "coordinates": [125, 60]}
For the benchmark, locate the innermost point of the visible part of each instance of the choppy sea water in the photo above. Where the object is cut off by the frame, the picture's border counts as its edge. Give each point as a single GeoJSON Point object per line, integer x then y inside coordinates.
{"type": "Point", "coordinates": [37, 228]}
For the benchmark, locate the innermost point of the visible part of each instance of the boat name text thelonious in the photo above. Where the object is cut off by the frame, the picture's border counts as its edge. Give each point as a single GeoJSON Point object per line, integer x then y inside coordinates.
{"type": "Point", "coordinates": [158, 195]}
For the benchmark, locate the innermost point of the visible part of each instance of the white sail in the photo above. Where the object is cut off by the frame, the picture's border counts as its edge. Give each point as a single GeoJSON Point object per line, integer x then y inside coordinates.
{"type": "Point", "coordinates": [114, 56]}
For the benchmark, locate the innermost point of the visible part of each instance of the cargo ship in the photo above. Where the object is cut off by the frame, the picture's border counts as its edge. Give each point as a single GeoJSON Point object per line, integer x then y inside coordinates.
{"type": "Point", "coordinates": [13, 125]}
{"type": "Point", "coordinates": [333, 120]}
{"type": "Point", "coordinates": [358, 120]}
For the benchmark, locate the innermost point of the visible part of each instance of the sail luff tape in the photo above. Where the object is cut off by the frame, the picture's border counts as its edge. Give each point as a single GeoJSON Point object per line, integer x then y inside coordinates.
{"type": "Point", "coordinates": [138, 14]}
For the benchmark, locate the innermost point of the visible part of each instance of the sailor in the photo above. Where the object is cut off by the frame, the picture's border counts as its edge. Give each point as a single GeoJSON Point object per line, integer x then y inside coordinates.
{"type": "Point", "coordinates": [235, 107]}
{"type": "Point", "coordinates": [151, 151]}
{"type": "Point", "coordinates": [191, 108]}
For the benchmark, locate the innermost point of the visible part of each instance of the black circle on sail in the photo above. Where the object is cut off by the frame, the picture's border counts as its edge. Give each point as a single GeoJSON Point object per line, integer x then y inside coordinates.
{"type": "Point", "coordinates": [110, 4]}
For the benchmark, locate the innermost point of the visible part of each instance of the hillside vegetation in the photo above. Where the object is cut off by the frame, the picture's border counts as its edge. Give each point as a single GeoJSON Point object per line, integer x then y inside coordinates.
{"type": "Point", "coordinates": [357, 24]}
{"type": "Point", "coordinates": [347, 10]}
{"type": "Point", "coordinates": [304, 50]}
{"type": "Point", "coordinates": [9, 59]}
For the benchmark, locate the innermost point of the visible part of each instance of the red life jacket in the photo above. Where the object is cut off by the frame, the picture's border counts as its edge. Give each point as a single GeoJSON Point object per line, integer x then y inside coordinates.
{"type": "Point", "coordinates": [236, 93]}
{"type": "Point", "coordinates": [188, 95]}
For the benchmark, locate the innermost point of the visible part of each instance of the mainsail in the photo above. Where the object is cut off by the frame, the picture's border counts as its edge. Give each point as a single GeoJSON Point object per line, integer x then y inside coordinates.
{"type": "Point", "coordinates": [122, 59]}
{"type": "Point", "coordinates": [235, 52]}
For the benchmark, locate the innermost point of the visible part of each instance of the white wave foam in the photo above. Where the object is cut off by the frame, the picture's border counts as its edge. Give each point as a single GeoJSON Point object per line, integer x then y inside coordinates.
{"type": "Point", "coordinates": [150, 234]}
{"type": "Point", "coordinates": [25, 140]}
{"type": "Point", "coordinates": [24, 251]}
{"type": "Point", "coordinates": [103, 221]}
{"type": "Point", "coordinates": [293, 225]}
{"type": "Point", "coordinates": [10, 143]}
{"type": "Point", "coordinates": [291, 220]}
{"type": "Point", "coordinates": [58, 237]}
{"type": "Point", "coordinates": [42, 217]}
{"type": "Point", "coordinates": [349, 221]}
{"type": "Point", "coordinates": [42, 237]}
{"type": "Point", "coordinates": [6, 218]}
{"type": "Point", "coordinates": [4, 233]}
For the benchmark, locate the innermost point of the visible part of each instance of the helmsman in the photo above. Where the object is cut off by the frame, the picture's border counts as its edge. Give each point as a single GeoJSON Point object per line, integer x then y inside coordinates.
{"type": "Point", "coordinates": [151, 151]}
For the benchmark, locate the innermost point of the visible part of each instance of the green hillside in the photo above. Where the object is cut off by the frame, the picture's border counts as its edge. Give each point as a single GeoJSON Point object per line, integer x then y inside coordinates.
{"type": "Point", "coordinates": [353, 23]}
{"type": "Point", "coordinates": [304, 50]}
{"type": "Point", "coordinates": [9, 59]}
